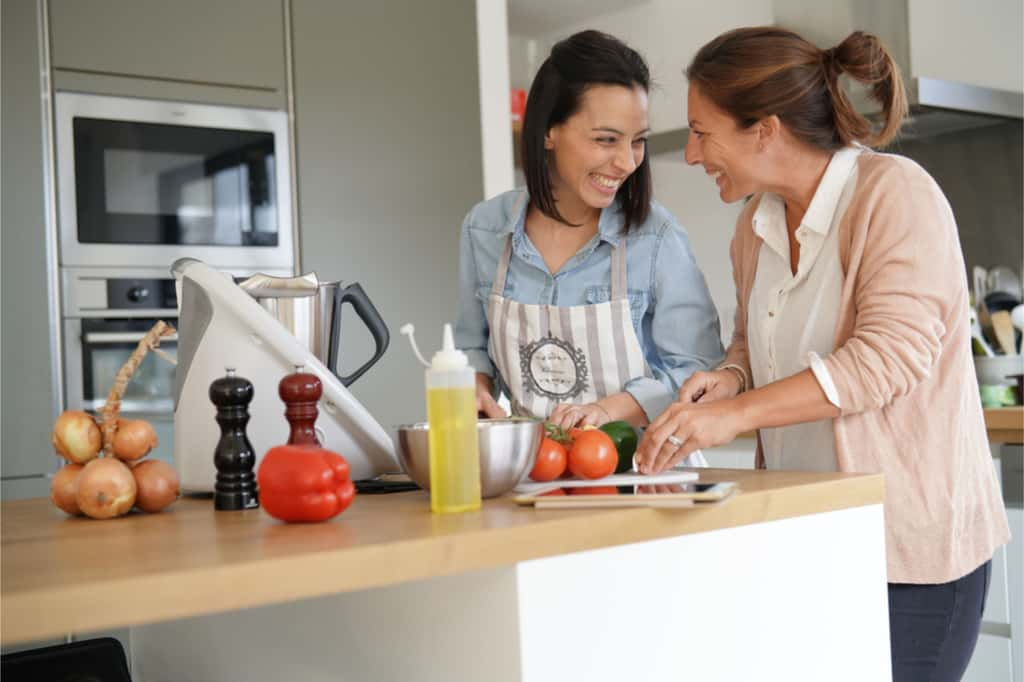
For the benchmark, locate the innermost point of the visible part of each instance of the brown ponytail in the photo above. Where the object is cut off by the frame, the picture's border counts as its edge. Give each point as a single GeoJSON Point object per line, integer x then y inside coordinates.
{"type": "Point", "coordinates": [863, 57]}
{"type": "Point", "coordinates": [752, 73]}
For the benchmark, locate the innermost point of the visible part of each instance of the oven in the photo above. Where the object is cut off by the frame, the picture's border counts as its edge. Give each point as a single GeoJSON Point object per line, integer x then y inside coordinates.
{"type": "Point", "coordinates": [106, 317]}
{"type": "Point", "coordinates": [141, 183]}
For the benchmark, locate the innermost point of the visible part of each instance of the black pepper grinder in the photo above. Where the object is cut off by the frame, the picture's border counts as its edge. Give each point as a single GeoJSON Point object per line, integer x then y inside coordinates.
{"type": "Point", "coordinates": [234, 457]}
{"type": "Point", "coordinates": [300, 392]}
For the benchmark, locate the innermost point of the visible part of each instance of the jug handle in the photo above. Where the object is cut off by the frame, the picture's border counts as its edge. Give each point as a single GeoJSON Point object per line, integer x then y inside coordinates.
{"type": "Point", "coordinates": [355, 295]}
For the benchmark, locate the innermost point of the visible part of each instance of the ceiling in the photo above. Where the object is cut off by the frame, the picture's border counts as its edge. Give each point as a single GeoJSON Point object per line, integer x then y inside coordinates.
{"type": "Point", "coordinates": [534, 17]}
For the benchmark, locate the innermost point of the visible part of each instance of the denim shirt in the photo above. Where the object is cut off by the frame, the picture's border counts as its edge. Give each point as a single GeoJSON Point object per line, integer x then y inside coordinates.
{"type": "Point", "coordinates": [673, 316]}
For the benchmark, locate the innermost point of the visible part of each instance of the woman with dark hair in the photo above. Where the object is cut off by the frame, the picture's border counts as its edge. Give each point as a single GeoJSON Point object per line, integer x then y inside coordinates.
{"type": "Point", "coordinates": [579, 296]}
{"type": "Point", "coordinates": [852, 335]}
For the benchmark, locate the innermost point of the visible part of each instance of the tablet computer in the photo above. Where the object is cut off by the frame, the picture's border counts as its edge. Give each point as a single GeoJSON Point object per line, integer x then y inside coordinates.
{"type": "Point", "coordinates": [655, 495]}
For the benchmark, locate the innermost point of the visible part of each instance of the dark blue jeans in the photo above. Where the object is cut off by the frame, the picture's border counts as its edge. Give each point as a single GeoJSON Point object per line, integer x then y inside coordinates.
{"type": "Point", "coordinates": [933, 628]}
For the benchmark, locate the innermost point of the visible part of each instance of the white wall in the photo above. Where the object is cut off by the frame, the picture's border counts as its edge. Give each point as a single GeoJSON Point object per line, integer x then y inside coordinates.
{"type": "Point", "coordinates": [493, 64]}
{"type": "Point", "coordinates": [667, 33]}
{"type": "Point", "coordinates": [524, 58]}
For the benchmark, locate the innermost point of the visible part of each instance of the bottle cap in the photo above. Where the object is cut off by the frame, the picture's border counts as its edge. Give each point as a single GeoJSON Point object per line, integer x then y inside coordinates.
{"type": "Point", "coordinates": [449, 357]}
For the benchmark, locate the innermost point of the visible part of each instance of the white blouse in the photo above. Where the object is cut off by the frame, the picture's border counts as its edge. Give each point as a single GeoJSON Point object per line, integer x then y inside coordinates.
{"type": "Point", "coordinates": [791, 319]}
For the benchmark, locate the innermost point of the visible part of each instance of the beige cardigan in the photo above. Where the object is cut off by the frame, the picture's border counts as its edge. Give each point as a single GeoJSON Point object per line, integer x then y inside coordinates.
{"type": "Point", "coordinates": [903, 369]}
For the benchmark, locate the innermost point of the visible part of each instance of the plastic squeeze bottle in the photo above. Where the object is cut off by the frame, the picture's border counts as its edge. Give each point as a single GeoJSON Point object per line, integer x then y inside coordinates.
{"type": "Point", "coordinates": [451, 414]}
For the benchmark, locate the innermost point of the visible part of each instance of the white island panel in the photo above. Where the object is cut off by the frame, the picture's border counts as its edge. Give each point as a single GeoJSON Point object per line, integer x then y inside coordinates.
{"type": "Point", "coordinates": [799, 599]}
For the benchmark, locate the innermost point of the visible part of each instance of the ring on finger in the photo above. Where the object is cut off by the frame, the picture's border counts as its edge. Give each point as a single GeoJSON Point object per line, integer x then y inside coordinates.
{"type": "Point", "coordinates": [675, 441]}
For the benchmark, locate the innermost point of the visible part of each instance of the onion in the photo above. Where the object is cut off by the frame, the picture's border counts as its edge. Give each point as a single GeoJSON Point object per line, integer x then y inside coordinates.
{"type": "Point", "coordinates": [157, 483]}
{"type": "Point", "coordinates": [134, 439]}
{"type": "Point", "coordinates": [106, 488]}
{"type": "Point", "coordinates": [64, 489]}
{"type": "Point", "coordinates": [76, 437]}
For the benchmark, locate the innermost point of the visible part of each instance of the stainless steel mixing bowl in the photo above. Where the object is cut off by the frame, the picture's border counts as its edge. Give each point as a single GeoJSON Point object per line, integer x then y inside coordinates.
{"type": "Point", "coordinates": [507, 451]}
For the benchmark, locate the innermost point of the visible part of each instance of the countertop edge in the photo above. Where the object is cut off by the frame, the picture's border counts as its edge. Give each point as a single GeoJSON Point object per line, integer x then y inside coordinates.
{"type": "Point", "coordinates": [137, 600]}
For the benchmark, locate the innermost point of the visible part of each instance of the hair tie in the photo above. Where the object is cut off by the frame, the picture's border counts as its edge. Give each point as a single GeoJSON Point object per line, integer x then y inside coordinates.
{"type": "Point", "coordinates": [829, 62]}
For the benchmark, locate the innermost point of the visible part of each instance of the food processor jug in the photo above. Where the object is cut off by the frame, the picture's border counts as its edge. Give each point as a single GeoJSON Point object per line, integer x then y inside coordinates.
{"type": "Point", "coordinates": [311, 311]}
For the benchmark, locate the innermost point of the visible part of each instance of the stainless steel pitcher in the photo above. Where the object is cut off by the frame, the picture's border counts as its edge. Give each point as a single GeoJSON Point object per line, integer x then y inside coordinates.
{"type": "Point", "coordinates": [311, 311]}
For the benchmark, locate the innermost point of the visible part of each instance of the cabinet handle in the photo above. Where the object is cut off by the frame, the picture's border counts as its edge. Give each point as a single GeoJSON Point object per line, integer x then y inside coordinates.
{"type": "Point", "coordinates": [122, 337]}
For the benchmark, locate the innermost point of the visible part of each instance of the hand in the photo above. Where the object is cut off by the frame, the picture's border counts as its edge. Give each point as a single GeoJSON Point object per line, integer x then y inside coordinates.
{"type": "Point", "coordinates": [567, 415]}
{"type": "Point", "coordinates": [696, 425]}
{"type": "Point", "coordinates": [705, 387]}
{"type": "Point", "coordinates": [485, 402]}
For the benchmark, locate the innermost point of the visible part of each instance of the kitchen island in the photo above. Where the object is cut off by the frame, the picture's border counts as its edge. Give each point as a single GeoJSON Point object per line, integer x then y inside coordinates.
{"type": "Point", "coordinates": [786, 576]}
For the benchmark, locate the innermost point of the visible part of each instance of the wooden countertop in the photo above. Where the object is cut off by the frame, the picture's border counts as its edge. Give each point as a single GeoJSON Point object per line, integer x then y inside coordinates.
{"type": "Point", "coordinates": [63, 574]}
{"type": "Point", "coordinates": [1005, 424]}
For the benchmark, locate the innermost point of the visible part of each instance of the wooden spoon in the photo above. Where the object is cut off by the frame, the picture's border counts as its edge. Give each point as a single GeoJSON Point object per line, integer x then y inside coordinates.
{"type": "Point", "coordinates": [1002, 326]}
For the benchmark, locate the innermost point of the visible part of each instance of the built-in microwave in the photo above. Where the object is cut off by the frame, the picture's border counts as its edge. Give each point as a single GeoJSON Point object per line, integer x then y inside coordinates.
{"type": "Point", "coordinates": [143, 182]}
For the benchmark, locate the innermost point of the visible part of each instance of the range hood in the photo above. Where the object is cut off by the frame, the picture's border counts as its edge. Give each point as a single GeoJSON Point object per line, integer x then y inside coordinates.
{"type": "Point", "coordinates": [937, 106]}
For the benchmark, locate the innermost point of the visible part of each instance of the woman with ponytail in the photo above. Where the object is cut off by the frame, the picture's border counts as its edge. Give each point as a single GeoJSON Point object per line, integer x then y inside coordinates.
{"type": "Point", "coordinates": [851, 349]}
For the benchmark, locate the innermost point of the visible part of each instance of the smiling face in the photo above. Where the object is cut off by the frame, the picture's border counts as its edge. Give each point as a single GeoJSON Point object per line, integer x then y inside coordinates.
{"type": "Point", "coordinates": [596, 149]}
{"type": "Point", "coordinates": [728, 153]}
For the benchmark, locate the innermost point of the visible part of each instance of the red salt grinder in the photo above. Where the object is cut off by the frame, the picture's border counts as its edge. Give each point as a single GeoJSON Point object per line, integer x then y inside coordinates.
{"type": "Point", "coordinates": [300, 392]}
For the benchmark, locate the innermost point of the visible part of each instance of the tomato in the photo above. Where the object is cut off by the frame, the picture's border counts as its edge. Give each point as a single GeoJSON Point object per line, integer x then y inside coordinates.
{"type": "Point", "coordinates": [551, 460]}
{"type": "Point", "coordinates": [595, 490]}
{"type": "Point", "coordinates": [593, 454]}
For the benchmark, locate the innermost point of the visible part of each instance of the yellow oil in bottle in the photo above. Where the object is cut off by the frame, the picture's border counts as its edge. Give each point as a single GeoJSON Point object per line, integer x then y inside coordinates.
{"type": "Point", "coordinates": [454, 453]}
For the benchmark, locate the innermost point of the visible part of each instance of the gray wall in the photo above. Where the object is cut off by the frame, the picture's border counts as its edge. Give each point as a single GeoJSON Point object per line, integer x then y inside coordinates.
{"type": "Point", "coordinates": [388, 123]}
{"type": "Point", "coordinates": [980, 172]}
{"type": "Point", "coordinates": [27, 398]}
{"type": "Point", "coordinates": [389, 153]}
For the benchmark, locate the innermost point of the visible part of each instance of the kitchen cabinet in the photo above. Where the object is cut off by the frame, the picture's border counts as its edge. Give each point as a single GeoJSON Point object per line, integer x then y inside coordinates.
{"type": "Point", "coordinates": [218, 51]}
{"type": "Point", "coordinates": [29, 393]}
{"type": "Point", "coordinates": [388, 145]}
{"type": "Point", "coordinates": [978, 43]}
{"type": "Point", "coordinates": [388, 591]}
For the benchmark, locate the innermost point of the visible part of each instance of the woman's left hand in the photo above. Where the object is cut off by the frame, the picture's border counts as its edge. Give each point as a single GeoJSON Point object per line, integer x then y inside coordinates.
{"type": "Point", "coordinates": [695, 425]}
{"type": "Point", "coordinates": [567, 415]}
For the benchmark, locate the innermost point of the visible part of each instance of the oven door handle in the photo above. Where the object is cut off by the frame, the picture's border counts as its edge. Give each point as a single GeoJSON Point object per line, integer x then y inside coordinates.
{"type": "Point", "coordinates": [98, 338]}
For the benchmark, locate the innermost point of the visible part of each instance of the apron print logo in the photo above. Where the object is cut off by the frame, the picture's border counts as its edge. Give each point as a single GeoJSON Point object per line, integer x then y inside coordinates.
{"type": "Point", "coordinates": [553, 368]}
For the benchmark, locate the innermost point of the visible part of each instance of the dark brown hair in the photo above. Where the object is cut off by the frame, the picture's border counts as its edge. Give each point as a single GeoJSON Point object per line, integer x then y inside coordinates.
{"type": "Point", "coordinates": [575, 64]}
{"type": "Point", "coordinates": [752, 73]}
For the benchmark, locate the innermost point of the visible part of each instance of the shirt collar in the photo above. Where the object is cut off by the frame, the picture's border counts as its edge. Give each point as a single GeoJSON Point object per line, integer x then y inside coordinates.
{"type": "Point", "coordinates": [609, 225]}
{"type": "Point", "coordinates": [771, 211]}
{"type": "Point", "coordinates": [770, 223]}
{"type": "Point", "coordinates": [822, 209]}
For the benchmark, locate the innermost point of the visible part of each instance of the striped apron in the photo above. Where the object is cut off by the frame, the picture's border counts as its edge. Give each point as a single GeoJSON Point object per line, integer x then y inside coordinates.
{"type": "Point", "coordinates": [551, 354]}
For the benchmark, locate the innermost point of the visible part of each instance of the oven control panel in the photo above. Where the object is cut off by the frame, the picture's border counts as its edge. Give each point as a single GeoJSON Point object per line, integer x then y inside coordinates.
{"type": "Point", "coordinates": [130, 294]}
{"type": "Point", "coordinates": [112, 292]}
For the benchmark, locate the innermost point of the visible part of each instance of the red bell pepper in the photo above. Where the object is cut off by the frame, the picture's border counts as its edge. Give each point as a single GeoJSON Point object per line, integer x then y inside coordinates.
{"type": "Point", "coordinates": [304, 483]}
